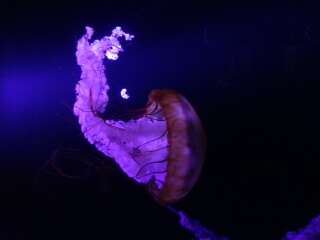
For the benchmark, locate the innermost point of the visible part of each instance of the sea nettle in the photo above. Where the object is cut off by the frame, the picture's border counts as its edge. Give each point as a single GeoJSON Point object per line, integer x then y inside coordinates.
{"type": "Point", "coordinates": [163, 147]}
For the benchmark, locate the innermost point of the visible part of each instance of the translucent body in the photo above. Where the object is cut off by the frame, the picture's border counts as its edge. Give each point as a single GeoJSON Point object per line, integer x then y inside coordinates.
{"type": "Point", "coordinates": [122, 141]}
{"type": "Point", "coordinates": [164, 148]}
{"type": "Point", "coordinates": [187, 143]}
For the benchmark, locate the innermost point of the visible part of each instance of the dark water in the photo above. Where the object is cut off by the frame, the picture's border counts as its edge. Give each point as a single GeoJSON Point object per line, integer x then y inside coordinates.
{"type": "Point", "coordinates": [252, 74]}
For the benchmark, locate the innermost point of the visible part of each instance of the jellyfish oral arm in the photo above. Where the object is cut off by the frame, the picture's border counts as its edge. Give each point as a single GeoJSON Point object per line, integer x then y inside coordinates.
{"type": "Point", "coordinates": [138, 146]}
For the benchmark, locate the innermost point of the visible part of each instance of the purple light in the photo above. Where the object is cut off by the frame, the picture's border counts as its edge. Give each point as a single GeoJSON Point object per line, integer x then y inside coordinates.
{"type": "Point", "coordinates": [310, 232]}
{"type": "Point", "coordinates": [135, 145]}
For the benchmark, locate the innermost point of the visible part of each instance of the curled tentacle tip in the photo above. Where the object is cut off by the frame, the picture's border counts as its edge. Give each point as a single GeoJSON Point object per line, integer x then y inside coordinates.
{"type": "Point", "coordinates": [124, 93]}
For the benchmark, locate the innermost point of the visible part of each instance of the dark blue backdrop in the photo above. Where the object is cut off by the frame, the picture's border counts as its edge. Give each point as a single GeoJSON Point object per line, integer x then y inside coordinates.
{"type": "Point", "coordinates": [251, 72]}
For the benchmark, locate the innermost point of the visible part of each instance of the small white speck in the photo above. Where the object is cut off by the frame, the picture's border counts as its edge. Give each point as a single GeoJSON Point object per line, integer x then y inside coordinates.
{"type": "Point", "coordinates": [124, 94]}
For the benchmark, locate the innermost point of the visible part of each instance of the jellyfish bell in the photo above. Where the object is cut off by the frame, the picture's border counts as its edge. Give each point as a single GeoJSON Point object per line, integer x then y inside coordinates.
{"type": "Point", "coordinates": [163, 147]}
{"type": "Point", "coordinates": [186, 141]}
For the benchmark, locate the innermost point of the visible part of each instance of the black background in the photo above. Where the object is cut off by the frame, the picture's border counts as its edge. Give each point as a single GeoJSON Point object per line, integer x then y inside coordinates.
{"type": "Point", "coordinates": [251, 72]}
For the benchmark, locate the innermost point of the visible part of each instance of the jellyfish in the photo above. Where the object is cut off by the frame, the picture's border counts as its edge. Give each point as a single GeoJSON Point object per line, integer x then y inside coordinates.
{"type": "Point", "coordinates": [163, 147]}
